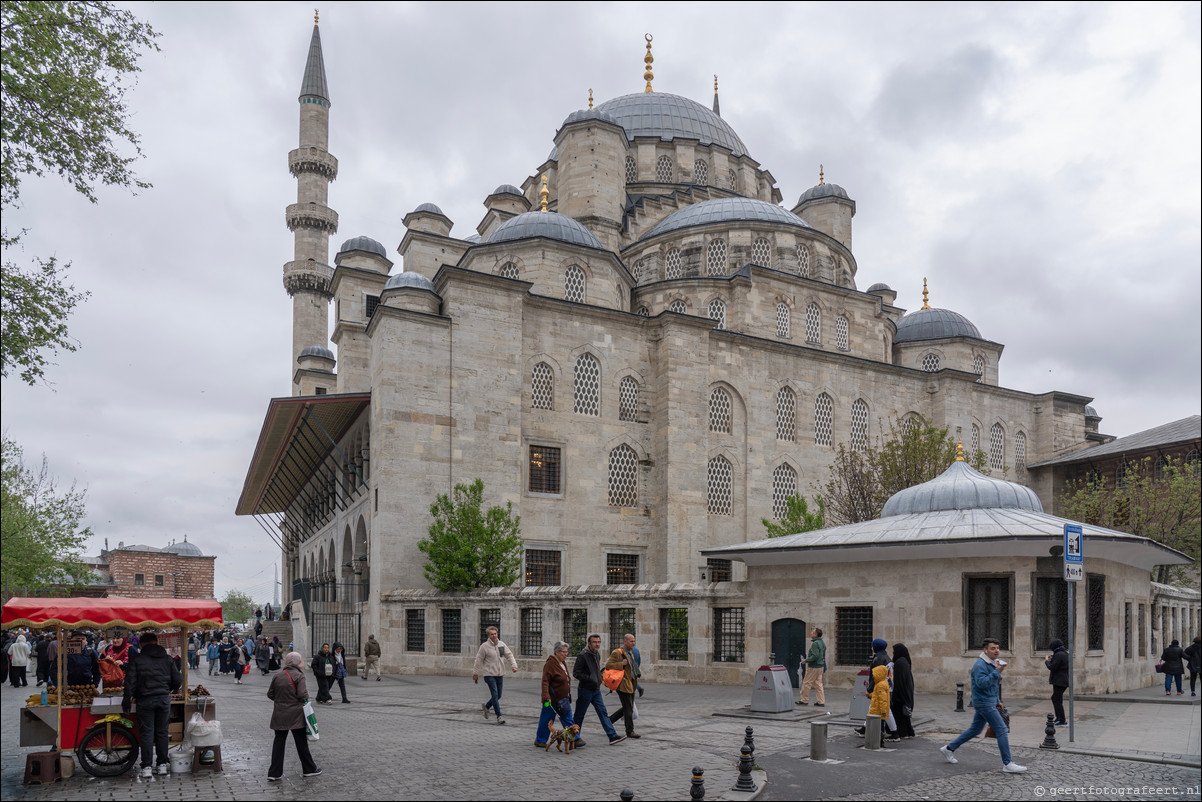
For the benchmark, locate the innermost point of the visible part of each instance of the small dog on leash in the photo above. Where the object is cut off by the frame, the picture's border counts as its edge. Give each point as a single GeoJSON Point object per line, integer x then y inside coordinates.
{"type": "Point", "coordinates": [564, 740]}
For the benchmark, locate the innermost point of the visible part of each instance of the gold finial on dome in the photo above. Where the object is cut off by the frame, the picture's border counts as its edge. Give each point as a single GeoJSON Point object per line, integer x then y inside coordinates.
{"type": "Point", "coordinates": [821, 176]}
{"type": "Point", "coordinates": [315, 14]}
{"type": "Point", "coordinates": [648, 59]}
{"type": "Point", "coordinates": [959, 451]}
{"type": "Point", "coordinates": [543, 193]}
{"type": "Point", "coordinates": [590, 100]}
{"type": "Point", "coordinates": [715, 84]}
{"type": "Point", "coordinates": [925, 294]}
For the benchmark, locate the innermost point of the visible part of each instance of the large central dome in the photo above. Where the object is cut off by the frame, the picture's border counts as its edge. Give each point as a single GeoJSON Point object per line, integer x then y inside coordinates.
{"type": "Point", "coordinates": [669, 116]}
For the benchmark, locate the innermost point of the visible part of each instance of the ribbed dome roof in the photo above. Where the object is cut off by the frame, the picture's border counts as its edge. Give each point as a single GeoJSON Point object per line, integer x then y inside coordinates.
{"type": "Point", "coordinates": [934, 324]}
{"type": "Point", "coordinates": [551, 225]}
{"type": "Point", "coordinates": [880, 285]}
{"type": "Point", "coordinates": [722, 210]}
{"type": "Point", "coordinates": [507, 189]}
{"type": "Point", "coordinates": [669, 116]}
{"type": "Point", "coordinates": [961, 488]}
{"type": "Point", "coordinates": [429, 208]}
{"type": "Point", "coordinates": [409, 279]}
{"type": "Point", "coordinates": [185, 549]}
{"type": "Point", "coordinates": [823, 191]}
{"type": "Point", "coordinates": [1090, 412]}
{"type": "Point", "coordinates": [317, 350]}
{"type": "Point", "coordinates": [591, 114]}
{"type": "Point", "coordinates": [366, 244]}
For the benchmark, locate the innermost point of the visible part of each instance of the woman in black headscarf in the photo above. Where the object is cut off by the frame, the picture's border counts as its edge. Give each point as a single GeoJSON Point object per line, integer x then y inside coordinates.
{"type": "Point", "coordinates": [902, 701]}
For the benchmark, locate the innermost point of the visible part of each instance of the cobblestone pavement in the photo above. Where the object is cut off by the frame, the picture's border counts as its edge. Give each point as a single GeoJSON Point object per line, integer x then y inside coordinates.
{"type": "Point", "coordinates": [418, 737]}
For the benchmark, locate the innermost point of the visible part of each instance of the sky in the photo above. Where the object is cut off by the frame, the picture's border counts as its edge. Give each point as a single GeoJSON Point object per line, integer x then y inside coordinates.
{"type": "Point", "coordinates": [1038, 164]}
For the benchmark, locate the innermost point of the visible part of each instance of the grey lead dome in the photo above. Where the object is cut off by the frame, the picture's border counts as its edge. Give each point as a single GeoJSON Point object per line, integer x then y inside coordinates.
{"type": "Point", "coordinates": [365, 244]}
{"type": "Point", "coordinates": [508, 189]}
{"type": "Point", "coordinates": [961, 488]}
{"type": "Point", "coordinates": [669, 117]}
{"type": "Point", "coordinates": [823, 191]}
{"type": "Point", "coordinates": [551, 225]}
{"type": "Point", "coordinates": [934, 324]}
{"type": "Point", "coordinates": [409, 279]}
{"type": "Point", "coordinates": [721, 210]}
{"type": "Point", "coordinates": [318, 351]}
{"type": "Point", "coordinates": [185, 549]}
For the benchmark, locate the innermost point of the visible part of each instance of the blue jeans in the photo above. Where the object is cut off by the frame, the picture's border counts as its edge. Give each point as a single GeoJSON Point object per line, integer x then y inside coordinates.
{"type": "Point", "coordinates": [1168, 680]}
{"type": "Point", "coordinates": [986, 714]}
{"type": "Point", "coordinates": [564, 709]}
{"type": "Point", "coordinates": [495, 686]}
{"type": "Point", "coordinates": [584, 698]}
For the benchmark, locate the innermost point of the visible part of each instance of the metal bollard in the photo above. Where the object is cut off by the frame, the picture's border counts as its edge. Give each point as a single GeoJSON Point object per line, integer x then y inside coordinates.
{"type": "Point", "coordinates": [817, 740]}
{"type": "Point", "coordinates": [1049, 734]}
{"type": "Point", "coordinates": [626, 795]}
{"type": "Point", "coordinates": [749, 740]}
{"type": "Point", "coordinates": [872, 732]}
{"type": "Point", "coordinates": [697, 790]}
{"type": "Point", "coordinates": [960, 697]}
{"type": "Point", "coordinates": [745, 782]}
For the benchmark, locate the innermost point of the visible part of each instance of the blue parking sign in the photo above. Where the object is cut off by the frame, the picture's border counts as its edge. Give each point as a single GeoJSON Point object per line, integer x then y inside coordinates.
{"type": "Point", "coordinates": [1074, 544]}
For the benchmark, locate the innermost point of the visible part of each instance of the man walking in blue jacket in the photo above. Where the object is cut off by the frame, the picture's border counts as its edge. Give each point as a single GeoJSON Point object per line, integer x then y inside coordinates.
{"type": "Point", "coordinates": [986, 691]}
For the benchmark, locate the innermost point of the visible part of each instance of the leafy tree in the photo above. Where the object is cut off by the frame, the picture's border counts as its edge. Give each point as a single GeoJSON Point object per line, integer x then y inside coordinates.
{"type": "Point", "coordinates": [63, 69]}
{"type": "Point", "coordinates": [862, 479]}
{"type": "Point", "coordinates": [797, 518]}
{"type": "Point", "coordinates": [236, 606]}
{"type": "Point", "coordinates": [1157, 499]}
{"type": "Point", "coordinates": [468, 547]}
{"type": "Point", "coordinates": [42, 537]}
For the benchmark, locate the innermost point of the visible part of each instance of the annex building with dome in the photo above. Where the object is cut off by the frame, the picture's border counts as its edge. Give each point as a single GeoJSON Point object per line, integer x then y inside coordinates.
{"type": "Point", "coordinates": [646, 351]}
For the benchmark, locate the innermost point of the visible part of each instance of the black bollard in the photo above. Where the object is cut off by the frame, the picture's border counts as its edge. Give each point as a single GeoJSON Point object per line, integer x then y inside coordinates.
{"type": "Point", "coordinates": [749, 740]}
{"type": "Point", "coordinates": [960, 697]}
{"type": "Point", "coordinates": [697, 791]}
{"type": "Point", "coordinates": [626, 795]}
{"type": "Point", "coordinates": [745, 782]}
{"type": "Point", "coordinates": [1049, 734]}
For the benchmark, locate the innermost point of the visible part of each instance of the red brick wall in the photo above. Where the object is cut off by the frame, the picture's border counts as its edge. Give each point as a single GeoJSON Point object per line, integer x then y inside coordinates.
{"type": "Point", "coordinates": [184, 577]}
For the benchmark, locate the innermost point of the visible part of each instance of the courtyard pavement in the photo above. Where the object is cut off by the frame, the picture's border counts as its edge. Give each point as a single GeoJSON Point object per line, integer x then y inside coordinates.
{"type": "Point", "coordinates": [423, 737]}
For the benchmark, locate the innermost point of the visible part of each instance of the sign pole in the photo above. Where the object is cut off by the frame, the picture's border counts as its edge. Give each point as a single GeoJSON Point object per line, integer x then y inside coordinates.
{"type": "Point", "coordinates": [1074, 571]}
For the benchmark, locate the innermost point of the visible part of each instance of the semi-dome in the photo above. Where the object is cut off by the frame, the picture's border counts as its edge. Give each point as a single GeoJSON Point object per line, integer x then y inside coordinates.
{"type": "Point", "coordinates": [184, 549]}
{"type": "Point", "coordinates": [365, 244]}
{"type": "Point", "coordinates": [722, 210]}
{"type": "Point", "coordinates": [961, 488]}
{"type": "Point", "coordinates": [551, 225]}
{"type": "Point", "coordinates": [409, 279]}
{"type": "Point", "coordinates": [586, 115]}
{"type": "Point", "coordinates": [667, 116]}
{"type": "Point", "coordinates": [934, 324]}
{"type": "Point", "coordinates": [824, 191]}
{"type": "Point", "coordinates": [428, 208]}
{"type": "Point", "coordinates": [507, 189]}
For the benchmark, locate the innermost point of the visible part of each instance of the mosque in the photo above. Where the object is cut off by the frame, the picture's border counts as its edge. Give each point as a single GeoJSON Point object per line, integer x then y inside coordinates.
{"type": "Point", "coordinates": [646, 352]}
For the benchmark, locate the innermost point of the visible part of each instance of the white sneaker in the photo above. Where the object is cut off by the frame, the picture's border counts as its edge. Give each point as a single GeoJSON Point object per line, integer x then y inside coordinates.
{"type": "Point", "coordinates": [147, 773]}
{"type": "Point", "coordinates": [949, 754]}
{"type": "Point", "coordinates": [163, 768]}
{"type": "Point", "coordinates": [484, 707]}
{"type": "Point", "coordinates": [1013, 768]}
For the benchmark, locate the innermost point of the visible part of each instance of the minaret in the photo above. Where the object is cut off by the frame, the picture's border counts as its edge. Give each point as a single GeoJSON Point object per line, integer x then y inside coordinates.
{"type": "Point", "coordinates": [307, 276]}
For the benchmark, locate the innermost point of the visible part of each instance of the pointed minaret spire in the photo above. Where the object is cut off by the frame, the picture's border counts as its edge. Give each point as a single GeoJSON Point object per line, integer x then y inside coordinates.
{"type": "Point", "coordinates": [716, 109]}
{"type": "Point", "coordinates": [314, 82]}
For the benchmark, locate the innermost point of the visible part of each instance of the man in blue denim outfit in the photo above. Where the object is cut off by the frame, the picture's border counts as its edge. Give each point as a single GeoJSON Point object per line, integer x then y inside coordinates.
{"type": "Point", "coordinates": [986, 691]}
{"type": "Point", "coordinates": [588, 693]}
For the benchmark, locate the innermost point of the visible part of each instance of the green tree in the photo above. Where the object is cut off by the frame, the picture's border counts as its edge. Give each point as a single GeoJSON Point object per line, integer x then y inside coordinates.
{"type": "Point", "coordinates": [64, 68]}
{"type": "Point", "coordinates": [237, 607]}
{"type": "Point", "coordinates": [1157, 499]}
{"type": "Point", "coordinates": [468, 547]}
{"type": "Point", "coordinates": [797, 518]}
{"type": "Point", "coordinates": [42, 537]}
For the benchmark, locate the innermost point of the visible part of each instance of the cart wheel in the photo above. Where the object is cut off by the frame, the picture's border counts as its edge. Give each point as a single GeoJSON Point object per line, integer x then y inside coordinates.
{"type": "Point", "coordinates": [107, 755]}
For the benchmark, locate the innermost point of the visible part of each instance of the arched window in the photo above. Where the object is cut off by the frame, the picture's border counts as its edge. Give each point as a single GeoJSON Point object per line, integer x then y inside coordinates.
{"type": "Point", "coordinates": [786, 415]}
{"type": "Point", "coordinates": [542, 387]}
{"type": "Point", "coordinates": [632, 170]}
{"type": "Point", "coordinates": [824, 415]}
{"type": "Point", "coordinates": [997, 447]}
{"type": "Point", "coordinates": [732, 180]}
{"type": "Point", "coordinates": [644, 312]}
{"type": "Point", "coordinates": [664, 169]}
{"type": "Point", "coordinates": [586, 385]}
{"type": "Point", "coordinates": [716, 257]}
{"type": "Point", "coordinates": [813, 324]}
{"type": "Point", "coordinates": [784, 485]}
{"type": "Point", "coordinates": [782, 320]}
{"type": "Point", "coordinates": [674, 264]}
{"type": "Point", "coordinates": [910, 424]}
{"type": "Point", "coordinates": [859, 425]}
{"type": "Point", "coordinates": [720, 418]}
{"type": "Point", "coordinates": [978, 367]}
{"type": "Point", "coordinates": [717, 312]}
{"type": "Point", "coordinates": [628, 398]}
{"type": "Point", "coordinates": [974, 442]}
{"type": "Point", "coordinates": [508, 270]}
{"type": "Point", "coordinates": [623, 477]}
{"type": "Point", "coordinates": [1020, 455]}
{"type": "Point", "coordinates": [930, 363]}
{"type": "Point", "coordinates": [701, 172]}
{"type": "Point", "coordinates": [679, 307]}
{"type": "Point", "coordinates": [720, 486]}
{"type": "Point", "coordinates": [636, 270]}
{"type": "Point", "coordinates": [573, 282]}
{"type": "Point", "coordinates": [841, 334]}
{"type": "Point", "coordinates": [761, 253]}
{"type": "Point", "coordinates": [803, 261]}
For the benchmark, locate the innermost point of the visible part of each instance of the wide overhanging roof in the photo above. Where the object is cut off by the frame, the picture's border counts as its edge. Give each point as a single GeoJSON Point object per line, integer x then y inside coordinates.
{"type": "Point", "coordinates": [105, 613]}
{"type": "Point", "coordinates": [298, 435]}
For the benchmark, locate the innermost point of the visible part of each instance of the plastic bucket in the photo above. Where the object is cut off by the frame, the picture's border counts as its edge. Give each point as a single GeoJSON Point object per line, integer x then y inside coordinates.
{"type": "Point", "coordinates": [181, 762]}
{"type": "Point", "coordinates": [66, 766]}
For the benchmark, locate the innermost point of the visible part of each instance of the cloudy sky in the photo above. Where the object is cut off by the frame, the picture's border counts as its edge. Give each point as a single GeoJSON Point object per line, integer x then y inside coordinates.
{"type": "Point", "coordinates": [1038, 163]}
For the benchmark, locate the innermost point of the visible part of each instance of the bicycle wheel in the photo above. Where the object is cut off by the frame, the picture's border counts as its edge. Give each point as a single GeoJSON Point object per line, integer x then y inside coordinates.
{"type": "Point", "coordinates": [105, 755]}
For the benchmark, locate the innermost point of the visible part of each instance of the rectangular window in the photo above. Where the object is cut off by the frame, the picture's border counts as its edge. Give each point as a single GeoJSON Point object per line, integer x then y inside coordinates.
{"type": "Point", "coordinates": [1049, 611]}
{"type": "Point", "coordinates": [373, 301]}
{"type": "Point", "coordinates": [415, 630]}
{"type": "Point", "coordinates": [674, 634]}
{"type": "Point", "coordinates": [319, 391]}
{"type": "Point", "coordinates": [720, 570]}
{"type": "Point", "coordinates": [621, 569]}
{"type": "Point", "coordinates": [728, 634]}
{"type": "Point", "coordinates": [544, 469]}
{"type": "Point", "coordinates": [853, 636]}
{"type": "Point", "coordinates": [1127, 633]}
{"type": "Point", "coordinates": [452, 631]}
{"type": "Point", "coordinates": [986, 610]}
{"type": "Point", "coordinates": [489, 617]}
{"type": "Point", "coordinates": [139, 579]}
{"type": "Point", "coordinates": [1142, 624]}
{"type": "Point", "coordinates": [621, 621]}
{"type": "Point", "coordinates": [158, 580]}
{"type": "Point", "coordinates": [1095, 612]}
{"type": "Point", "coordinates": [542, 567]}
{"type": "Point", "coordinates": [575, 629]}
{"type": "Point", "coordinates": [532, 632]}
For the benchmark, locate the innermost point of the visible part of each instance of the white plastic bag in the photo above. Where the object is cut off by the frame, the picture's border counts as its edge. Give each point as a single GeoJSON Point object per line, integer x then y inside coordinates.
{"type": "Point", "coordinates": [203, 733]}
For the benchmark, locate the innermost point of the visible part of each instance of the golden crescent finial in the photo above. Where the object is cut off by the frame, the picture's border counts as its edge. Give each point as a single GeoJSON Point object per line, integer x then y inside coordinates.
{"type": "Point", "coordinates": [543, 193]}
{"type": "Point", "coordinates": [315, 15]}
{"type": "Point", "coordinates": [715, 84]}
{"type": "Point", "coordinates": [925, 304]}
{"type": "Point", "coordinates": [959, 451]}
{"type": "Point", "coordinates": [648, 75]}
{"type": "Point", "coordinates": [821, 176]}
{"type": "Point", "coordinates": [590, 100]}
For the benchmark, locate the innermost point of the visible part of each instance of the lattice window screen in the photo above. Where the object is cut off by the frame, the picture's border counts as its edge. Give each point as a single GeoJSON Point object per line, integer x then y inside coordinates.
{"type": "Point", "coordinates": [628, 399]}
{"type": "Point", "coordinates": [720, 406]}
{"type": "Point", "coordinates": [841, 334]}
{"type": "Point", "coordinates": [761, 252]}
{"type": "Point", "coordinates": [674, 264]}
{"type": "Point", "coordinates": [997, 446]}
{"type": "Point", "coordinates": [859, 424]}
{"type": "Point", "coordinates": [587, 386]}
{"type": "Point", "coordinates": [574, 284]}
{"type": "Point", "coordinates": [623, 477]}
{"type": "Point", "coordinates": [632, 170]}
{"type": "Point", "coordinates": [664, 169]}
{"type": "Point", "coordinates": [716, 257]}
{"type": "Point", "coordinates": [542, 387]}
{"type": "Point", "coordinates": [782, 320]}
{"type": "Point", "coordinates": [720, 486]}
{"type": "Point", "coordinates": [701, 172]}
{"type": "Point", "coordinates": [824, 413]}
{"type": "Point", "coordinates": [509, 270]}
{"type": "Point", "coordinates": [813, 324]}
{"type": "Point", "coordinates": [786, 415]}
{"type": "Point", "coordinates": [784, 485]}
{"type": "Point", "coordinates": [717, 311]}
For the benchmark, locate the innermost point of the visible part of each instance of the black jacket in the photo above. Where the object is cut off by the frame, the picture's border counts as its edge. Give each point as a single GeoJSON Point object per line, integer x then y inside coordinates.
{"type": "Point", "coordinates": [588, 669]}
{"type": "Point", "coordinates": [880, 658]}
{"type": "Point", "coordinates": [1193, 655]}
{"type": "Point", "coordinates": [1173, 659]}
{"type": "Point", "coordinates": [903, 680]}
{"type": "Point", "coordinates": [1058, 665]}
{"type": "Point", "coordinates": [152, 674]}
{"type": "Point", "coordinates": [83, 669]}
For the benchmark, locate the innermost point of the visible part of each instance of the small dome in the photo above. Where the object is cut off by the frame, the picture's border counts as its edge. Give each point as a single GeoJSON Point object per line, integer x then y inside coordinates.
{"type": "Point", "coordinates": [823, 191]}
{"type": "Point", "coordinates": [474, 239]}
{"type": "Point", "coordinates": [185, 549]}
{"type": "Point", "coordinates": [318, 351]}
{"type": "Point", "coordinates": [880, 286]}
{"type": "Point", "coordinates": [365, 244]}
{"type": "Point", "coordinates": [1090, 412]}
{"type": "Point", "coordinates": [429, 208]}
{"type": "Point", "coordinates": [669, 117]}
{"type": "Point", "coordinates": [551, 225]}
{"type": "Point", "coordinates": [553, 156]}
{"type": "Point", "coordinates": [409, 279]}
{"type": "Point", "coordinates": [721, 210]}
{"type": "Point", "coordinates": [961, 488]}
{"type": "Point", "coordinates": [508, 189]}
{"type": "Point", "coordinates": [934, 324]}
{"type": "Point", "coordinates": [591, 114]}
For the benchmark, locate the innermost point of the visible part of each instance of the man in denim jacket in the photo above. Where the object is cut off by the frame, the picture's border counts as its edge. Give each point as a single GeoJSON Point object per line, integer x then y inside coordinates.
{"type": "Point", "coordinates": [986, 691]}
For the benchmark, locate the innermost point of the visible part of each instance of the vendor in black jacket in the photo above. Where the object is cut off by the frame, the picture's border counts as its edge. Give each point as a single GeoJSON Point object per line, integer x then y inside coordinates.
{"type": "Point", "coordinates": [151, 678]}
{"type": "Point", "coordinates": [1058, 665]}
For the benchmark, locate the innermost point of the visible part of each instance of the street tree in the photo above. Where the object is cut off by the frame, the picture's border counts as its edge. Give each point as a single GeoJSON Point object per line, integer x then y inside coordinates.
{"type": "Point", "coordinates": [468, 547]}
{"type": "Point", "coordinates": [797, 517]}
{"type": "Point", "coordinates": [236, 606]}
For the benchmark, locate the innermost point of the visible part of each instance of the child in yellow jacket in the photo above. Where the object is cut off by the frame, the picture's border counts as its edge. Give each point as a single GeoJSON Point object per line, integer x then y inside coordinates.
{"type": "Point", "coordinates": [880, 693]}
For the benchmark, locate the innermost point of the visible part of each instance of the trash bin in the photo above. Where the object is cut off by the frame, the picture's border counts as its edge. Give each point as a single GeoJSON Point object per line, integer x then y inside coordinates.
{"type": "Point", "coordinates": [773, 692]}
{"type": "Point", "coordinates": [858, 709]}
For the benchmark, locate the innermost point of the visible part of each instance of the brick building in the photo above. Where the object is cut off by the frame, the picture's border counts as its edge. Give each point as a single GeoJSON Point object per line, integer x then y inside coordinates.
{"type": "Point", "coordinates": [177, 571]}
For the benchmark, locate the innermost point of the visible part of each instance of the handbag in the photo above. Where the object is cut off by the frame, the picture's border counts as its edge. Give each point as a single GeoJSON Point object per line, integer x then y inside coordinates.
{"type": "Point", "coordinates": [1160, 668]}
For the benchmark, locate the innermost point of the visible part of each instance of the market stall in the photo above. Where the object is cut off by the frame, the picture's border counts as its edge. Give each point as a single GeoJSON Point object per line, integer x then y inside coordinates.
{"type": "Point", "coordinates": [105, 739]}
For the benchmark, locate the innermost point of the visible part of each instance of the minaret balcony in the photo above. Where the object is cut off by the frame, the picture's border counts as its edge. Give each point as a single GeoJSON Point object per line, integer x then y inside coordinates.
{"type": "Point", "coordinates": [311, 215]}
{"type": "Point", "coordinates": [307, 276]}
{"type": "Point", "coordinates": [313, 160]}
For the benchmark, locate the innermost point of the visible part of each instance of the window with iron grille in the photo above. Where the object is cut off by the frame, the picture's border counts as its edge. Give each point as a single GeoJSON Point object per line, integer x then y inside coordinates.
{"type": "Point", "coordinates": [720, 418]}
{"type": "Point", "coordinates": [987, 610]}
{"type": "Point", "coordinates": [1049, 611]}
{"type": "Point", "coordinates": [717, 312]}
{"type": "Point", "coordinates": [542, 387]}
{"type": "Point", "coordinates": [1020, 456]}
{"type": "Point", "coordinates": [586, 386]}
{"type": "Point", "coordinates": [716, 257]}
{"type": "Point", "coordinates": [489, 617]}
{"type": "Point", "coordinates": [532, 631]}
{"type": "Point", "coordinates": [786, 415]}
{"type": "Point", "coordinates": [664, 169]}
{"type": "Point", "coordinates": [674, 633]}
{"type": "Point", "coordinates": [842, 340]}
{"type": "Point", "coordinates": [782, 321]}
{"type": "Point", "coordinates": [784, 485]}
{"type": "Point", "coordinates": [1127, 634]}
{"type": "Point", "coordinates": [415, 630]}
{"type": "Point", "coordinates": [644, 312]}
{"type": "Point", "coordinates": [720, 487]}
{"type": "Point", "coordinates": [701, 172]}
{"type": "Point", "coordinates": [623, 477]}
{"type": "Point", "coordinates": [997, 447]}
{"type": "Point", "coordinates": [452, 631]}
{"type": "Point", "coordinates": [978, 367]}
{"type": "Point", "coordinates": [729, 631]}
{"type": "Point", "coordinates": [679, 307]}
{"type": "Point", "coordinates": [139, 579]}
{"type": "Point", "coordinates": [632, 170]}
{"type": "Point", "coordinates": [813, 324]}
{"type": "Point", "coordinates": [911, 423]}
{"type": "Point", "coordinates": [853, 636]}
{"type": "Point", "coordinates": [1095, 610]}
{"type": "Point", "coordinates": [1123, 474]}
{"type": "Point", "coordinates": [508, 270]}
{"type": "Point", "coordinates": [761, 253]}
{"type": "Point", "coordinates": [974, 442]}
{"type": "Point", "coordinates": [542, 567]}
{"type": "Point", "coordinates": [803, 261]}
{"type": "Point", "coordinates": [930, 363]}
{"type": "Point", "coordinates": [573, 284]}
{"type": "Point", "coordinates": [1142, 624]}
{"type": "Point", "coordinates": [575, 629]}
{"type": "Point", "coordinates": [824, 414]}
{"type": "Point", "coordinates": [373, 301]}
{"type": "Point", "coordinates": [621, 622]}
{"type": "Point", "coordinates": [544, 469]}
{"type": "Point", "coordinates": [732, 180]}
{"type": "Point", "coordinates": [159, 581]}
{"type": "Point", "coordinates": [720, 570]}
{"type": "Point", "coordinates": [628, 399]}
{"type": "Point", "coordinates": [674, 264]}
{"type": "Point", "coordinates": [859, 424]}
{"type": "Point", "coordinates": [621, 569]}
